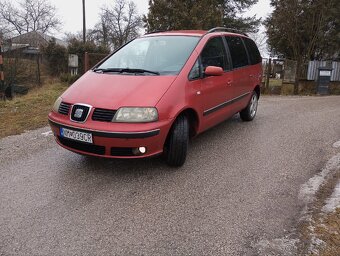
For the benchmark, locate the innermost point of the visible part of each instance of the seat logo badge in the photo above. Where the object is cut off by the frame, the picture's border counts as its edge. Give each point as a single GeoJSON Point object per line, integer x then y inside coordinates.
{"type": "Point", "coordinates": [78, 113]}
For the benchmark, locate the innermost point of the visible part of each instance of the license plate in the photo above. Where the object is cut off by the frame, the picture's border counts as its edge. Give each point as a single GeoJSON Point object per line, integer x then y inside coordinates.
{"type": "Point", "coordinates": [76, 135]}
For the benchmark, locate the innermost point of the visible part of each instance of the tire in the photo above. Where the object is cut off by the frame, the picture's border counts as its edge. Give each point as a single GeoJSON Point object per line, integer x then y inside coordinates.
{"type": "Point", "coordinates": [176, 146]}
{"type": "Point", "coordinates": [249, 113]}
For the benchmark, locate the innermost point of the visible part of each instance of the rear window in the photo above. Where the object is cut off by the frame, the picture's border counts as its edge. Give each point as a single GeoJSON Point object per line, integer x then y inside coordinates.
{"type": "Point", "coordinates": [253, 51]}
{"type": "Point", "coordinates": [237, 50]}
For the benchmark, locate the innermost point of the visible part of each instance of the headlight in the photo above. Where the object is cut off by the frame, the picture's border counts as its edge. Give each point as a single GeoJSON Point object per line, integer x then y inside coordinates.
{"type": "Point", "coordinates": [135, 115]}
{"type": "Point", "coordinates": [57, 104]}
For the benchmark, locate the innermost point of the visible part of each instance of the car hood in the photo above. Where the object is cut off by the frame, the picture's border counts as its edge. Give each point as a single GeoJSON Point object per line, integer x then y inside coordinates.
{"type": "Point", "coordinates": [113, 91]}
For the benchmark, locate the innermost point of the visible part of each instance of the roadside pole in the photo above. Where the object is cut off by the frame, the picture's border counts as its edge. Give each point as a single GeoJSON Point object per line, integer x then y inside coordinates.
{"type": "Point", "coordinates": [86, 62]}
{"type": "Point", "coordinates": [269, 64]}
{"type": "Point", "coordinates": [2, 77]}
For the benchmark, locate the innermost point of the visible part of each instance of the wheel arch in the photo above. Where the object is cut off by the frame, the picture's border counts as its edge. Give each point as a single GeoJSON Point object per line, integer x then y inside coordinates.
{"type": "Point", "coordinates": [257, 89]}
{"type": "Point", "coordinates": [193, 120]}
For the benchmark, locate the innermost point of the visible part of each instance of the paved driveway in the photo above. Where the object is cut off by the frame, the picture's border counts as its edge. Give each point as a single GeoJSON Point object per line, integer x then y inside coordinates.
{"type": "Point", "coordinates": [239, 186]}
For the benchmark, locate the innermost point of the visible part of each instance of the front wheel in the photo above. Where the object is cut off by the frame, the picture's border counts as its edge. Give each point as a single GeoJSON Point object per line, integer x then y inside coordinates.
{"type": "Point", "coordinates": [249, 113]}
{"type": "Point", "coordinates": [176, 146]}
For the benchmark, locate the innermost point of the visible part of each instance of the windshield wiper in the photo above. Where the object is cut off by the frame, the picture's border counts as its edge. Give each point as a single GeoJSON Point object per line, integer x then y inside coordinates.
{"type": "Point", "coordinates": [138, 70]}
{"type": "Point", "coordinates": [103, 70]}
{"type": "Point", "coordinates": [125, 70]}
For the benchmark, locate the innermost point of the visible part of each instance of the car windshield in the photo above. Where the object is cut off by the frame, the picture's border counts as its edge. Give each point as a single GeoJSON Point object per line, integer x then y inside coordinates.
{"type": "Point", "coordinates": [155, 55]}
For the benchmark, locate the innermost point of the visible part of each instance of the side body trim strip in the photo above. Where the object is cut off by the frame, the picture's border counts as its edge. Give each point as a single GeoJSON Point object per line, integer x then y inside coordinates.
{"type": "Point", "coordinates": [224, 104]}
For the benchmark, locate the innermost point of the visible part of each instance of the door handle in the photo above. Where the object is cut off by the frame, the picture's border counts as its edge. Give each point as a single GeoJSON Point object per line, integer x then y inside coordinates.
{"type": "Point", "coordinates": [229, 83]}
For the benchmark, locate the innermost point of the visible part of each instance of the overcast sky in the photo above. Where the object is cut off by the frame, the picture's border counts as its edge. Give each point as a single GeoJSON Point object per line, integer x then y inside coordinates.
{"type": "Point", "coordinates": [70, 12]}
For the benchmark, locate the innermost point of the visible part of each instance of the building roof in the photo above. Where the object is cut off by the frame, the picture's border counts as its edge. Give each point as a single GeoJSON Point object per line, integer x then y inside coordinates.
{"type": "Point", "coordinates": [36, 39]}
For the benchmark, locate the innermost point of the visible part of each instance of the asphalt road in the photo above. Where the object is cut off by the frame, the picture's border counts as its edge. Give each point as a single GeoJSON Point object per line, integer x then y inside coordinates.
{"type": "Point", "coordinates": [240, 185]}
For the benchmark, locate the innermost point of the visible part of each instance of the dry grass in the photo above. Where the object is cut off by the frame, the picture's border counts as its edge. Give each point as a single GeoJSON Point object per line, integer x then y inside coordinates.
{"type": "Point", "coordinates": [275, 82]}
{"type": "Point", "coordinates": [328, 230]}
{"type": "Point", "coordinates": [322, 226]}
{"type": "Point", "coordinates": [287, 89]}
{"type": "Point", "coordinates": [334, 88]}
{"type": "Point", "coordinates": [30, 111]}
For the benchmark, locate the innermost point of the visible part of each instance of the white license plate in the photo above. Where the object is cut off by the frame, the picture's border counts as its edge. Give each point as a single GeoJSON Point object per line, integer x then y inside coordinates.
{"type": "Point", "coordinates": [76, 135]}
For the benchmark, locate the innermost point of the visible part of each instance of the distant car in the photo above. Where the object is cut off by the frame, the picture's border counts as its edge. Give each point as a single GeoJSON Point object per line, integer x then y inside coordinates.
{"type": "Point", "coordinates": [157, 91]}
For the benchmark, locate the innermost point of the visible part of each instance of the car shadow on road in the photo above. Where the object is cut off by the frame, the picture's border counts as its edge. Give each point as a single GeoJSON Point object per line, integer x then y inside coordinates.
{"type": "Point", "coordinates": [199, 147]}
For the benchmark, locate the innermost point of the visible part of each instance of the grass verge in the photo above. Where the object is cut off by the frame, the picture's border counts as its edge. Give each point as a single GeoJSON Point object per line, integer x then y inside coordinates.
{"type": "Point", "coordinates": [328, 230]}
{"type": "Point", "coordinates": [320, 233]}
{"type": "Point", "coordinates": [30, 111]}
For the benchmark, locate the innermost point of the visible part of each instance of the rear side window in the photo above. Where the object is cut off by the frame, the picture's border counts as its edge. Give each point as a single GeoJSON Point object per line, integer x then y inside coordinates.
{"type": "Point", "coordinates": [253, 51]}
{"type": "Point", "coordinates": [237, 51]}
{"type": "Point", "coordinates": [214, 54]}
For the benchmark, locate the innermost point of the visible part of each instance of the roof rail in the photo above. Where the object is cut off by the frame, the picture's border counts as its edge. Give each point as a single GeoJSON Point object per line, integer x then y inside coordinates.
{"type": "Point", "coordinates": [154, 31]}
{"type": "Point", "coordinates": [224, 29]}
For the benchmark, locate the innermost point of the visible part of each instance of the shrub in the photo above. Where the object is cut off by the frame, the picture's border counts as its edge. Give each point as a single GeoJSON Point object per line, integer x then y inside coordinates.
{"type": "Point", "coordinates": [56, 56]}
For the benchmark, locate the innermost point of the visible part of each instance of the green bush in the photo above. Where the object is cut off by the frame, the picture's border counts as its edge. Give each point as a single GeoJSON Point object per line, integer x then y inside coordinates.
{"type": "Point", "coordinates": [56, 56]}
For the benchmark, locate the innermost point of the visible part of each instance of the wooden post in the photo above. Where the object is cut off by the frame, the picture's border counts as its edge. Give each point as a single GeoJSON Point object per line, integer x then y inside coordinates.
{"type": "Point", "coordinates": [297, 76]}
{"type": "Point", "coordinates": [2, 77]}
{"type": "Point", "coordinates": [86, 62]}
{"type": "Point", "coordinates": [38, 70]}
{"type": "Point", "coordinates": [269, 65]}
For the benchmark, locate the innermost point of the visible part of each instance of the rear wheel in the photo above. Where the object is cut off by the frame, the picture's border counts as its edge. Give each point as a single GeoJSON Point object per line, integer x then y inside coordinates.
{"type": "Point", "coordinates": [249, 113]}
{"type": "Point", "coordinates": [175, 149]}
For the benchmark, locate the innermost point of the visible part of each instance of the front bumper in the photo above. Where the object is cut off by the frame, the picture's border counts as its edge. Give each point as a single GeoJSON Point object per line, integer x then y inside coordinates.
{"type": "Point", "coordinates": [117, 140]}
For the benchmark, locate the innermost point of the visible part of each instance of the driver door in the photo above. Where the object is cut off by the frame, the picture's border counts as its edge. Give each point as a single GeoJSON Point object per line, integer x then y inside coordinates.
{"type": "Point", "coordinates": [216, 90]}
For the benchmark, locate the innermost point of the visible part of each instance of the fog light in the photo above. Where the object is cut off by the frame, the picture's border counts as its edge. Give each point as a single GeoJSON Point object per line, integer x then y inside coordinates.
{"type": "Point", "coordinates": [142, 150]}
{"type": "Point", "coordinates": [139, 151]}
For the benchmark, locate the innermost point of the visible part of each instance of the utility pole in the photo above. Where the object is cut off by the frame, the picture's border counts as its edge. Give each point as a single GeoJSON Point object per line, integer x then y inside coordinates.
{"type": "Point", "coordinates": [84, 23]}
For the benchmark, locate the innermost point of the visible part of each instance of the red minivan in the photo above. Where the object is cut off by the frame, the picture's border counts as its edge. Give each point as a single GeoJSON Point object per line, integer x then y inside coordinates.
{"type": "Point", "coordinates": [152, 95]}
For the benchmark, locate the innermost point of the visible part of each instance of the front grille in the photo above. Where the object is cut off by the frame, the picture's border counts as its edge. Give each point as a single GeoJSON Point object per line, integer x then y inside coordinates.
{"type": "Point", "coordinates": [90, 148]}
{"type": "Point", "coordinates": [103, 115]}
{"type": "Point", "coordinates": [122, 152]}
{"type": "Point", "coordinates": [79, 113]}
{"type": "Point", "coordinates": [64, 108]}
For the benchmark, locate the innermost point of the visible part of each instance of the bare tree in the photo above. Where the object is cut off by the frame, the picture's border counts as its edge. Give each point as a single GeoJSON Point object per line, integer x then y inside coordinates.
{"type": "Point", "coordinates": [28, 15]}
{"type": "Point", "coordinates": [118, 24]}
{"type": "Point", "coordinates": [260, 38]}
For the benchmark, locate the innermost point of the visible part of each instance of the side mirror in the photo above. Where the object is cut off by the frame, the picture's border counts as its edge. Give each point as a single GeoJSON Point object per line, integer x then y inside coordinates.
{"type": "Point", "coordinates": [213, 71]}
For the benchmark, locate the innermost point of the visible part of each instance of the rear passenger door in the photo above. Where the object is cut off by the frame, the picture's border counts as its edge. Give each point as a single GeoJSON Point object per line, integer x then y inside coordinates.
{"type": "Point", "coordinates": [241, 72]}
